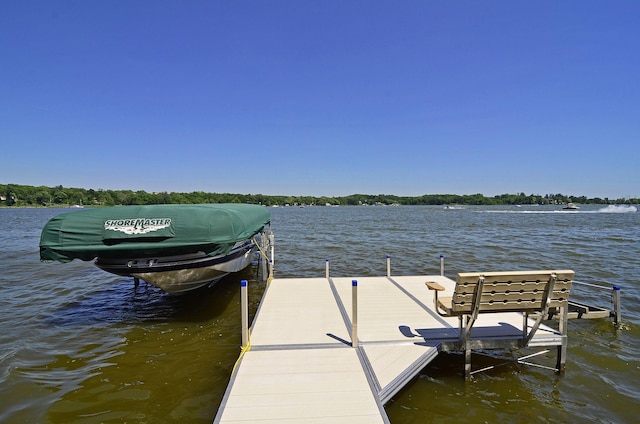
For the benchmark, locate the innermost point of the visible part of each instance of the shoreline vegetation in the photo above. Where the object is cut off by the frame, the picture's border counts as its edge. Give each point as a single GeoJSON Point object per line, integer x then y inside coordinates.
{"type": "Point", "coordinates": [15, 195]}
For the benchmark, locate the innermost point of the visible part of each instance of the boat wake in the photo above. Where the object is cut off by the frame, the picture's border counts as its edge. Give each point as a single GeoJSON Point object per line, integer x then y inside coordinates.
{"type": "Point", "coordinates": [619, 209]}
{"type": "Point", "coordinates": [607, 209]}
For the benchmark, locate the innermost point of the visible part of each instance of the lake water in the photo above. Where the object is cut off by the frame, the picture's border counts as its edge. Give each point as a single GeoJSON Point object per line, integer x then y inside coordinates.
{"type": "Point", "coordinates": [78, 345]}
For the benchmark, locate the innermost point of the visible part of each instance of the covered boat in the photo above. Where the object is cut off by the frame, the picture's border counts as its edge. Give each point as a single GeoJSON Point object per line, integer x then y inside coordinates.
{"type": "Point", "coordinates": [175, 247]}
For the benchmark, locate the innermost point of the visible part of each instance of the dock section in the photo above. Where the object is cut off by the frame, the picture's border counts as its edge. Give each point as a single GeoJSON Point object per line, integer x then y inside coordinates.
{"type": "Point", "coordinates": [310, 359]}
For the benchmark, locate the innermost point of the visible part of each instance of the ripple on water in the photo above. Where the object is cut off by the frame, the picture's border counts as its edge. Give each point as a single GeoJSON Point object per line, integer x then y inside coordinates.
{"type": "Point", "coordinates": [81, 345]}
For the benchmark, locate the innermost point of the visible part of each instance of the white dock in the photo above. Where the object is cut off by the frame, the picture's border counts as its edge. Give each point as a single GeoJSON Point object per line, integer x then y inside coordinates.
{"type": "Point", "coordinates": [301, 365]}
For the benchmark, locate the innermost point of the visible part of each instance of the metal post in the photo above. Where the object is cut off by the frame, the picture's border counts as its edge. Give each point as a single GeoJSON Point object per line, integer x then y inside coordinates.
{"type": "Point", "coordinates": [615, 296]}
{"type": "Point", "coordinates": [467, 350]}
{"type": "Point", "coordinates": [326, 268]}
{"type": "Point", "coordinates": [562, 349]}
{"type": "Point", "coordinates": [354, 313]}
{"type": "Point", "coordinates": [273, 254]}
{"type": "Point", "coordinates": [262, 256]}
{"type": "Point", "coordinates": [388, 266]}
{"type": "Point", "coordinates": [442, 265]}
{"type": "Point", "coordinates": [244, 310]}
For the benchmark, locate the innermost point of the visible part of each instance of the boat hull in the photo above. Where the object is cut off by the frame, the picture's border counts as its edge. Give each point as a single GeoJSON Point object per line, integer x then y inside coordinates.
{"type": "Point", "coordinates": [183, 273]}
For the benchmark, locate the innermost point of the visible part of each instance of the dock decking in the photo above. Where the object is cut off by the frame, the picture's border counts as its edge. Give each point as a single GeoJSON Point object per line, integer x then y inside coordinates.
{"type": "Point", "coordinates": [302, 367]}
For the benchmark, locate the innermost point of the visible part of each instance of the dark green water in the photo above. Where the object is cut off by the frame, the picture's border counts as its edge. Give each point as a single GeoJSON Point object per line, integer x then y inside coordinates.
{"type": "Point", "coordinates": [78, 345]}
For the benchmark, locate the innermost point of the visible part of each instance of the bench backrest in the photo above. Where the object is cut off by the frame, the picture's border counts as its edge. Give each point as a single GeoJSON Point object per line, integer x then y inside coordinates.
{"type": "Point", "coordinates": [524, 291]}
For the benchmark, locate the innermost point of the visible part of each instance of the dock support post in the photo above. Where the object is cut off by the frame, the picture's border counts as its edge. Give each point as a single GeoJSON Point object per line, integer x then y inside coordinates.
{"type": "Point", "coordinates": [263, 256]}
{"type": "Point", "coordinates": [273, 254]}
{"type": "Point", "coordinates": [354, 313]}
{"type": "Point", "coordinates": [388, 266]}
{"type": "Point", "coordinates": [326, 268]}
{"type": "Point", "coordinates": [615, 296]}
{"type": "Point", "coordinates": [442, 265]}
{"type": "Point", "coordinates": [244, 310]}
{"type": "Point", "coordinates": [466, 341]}
{"type": "Point", "coordinates": [562, 349]}
{"type": "Point", "coordinates": [262, 268]}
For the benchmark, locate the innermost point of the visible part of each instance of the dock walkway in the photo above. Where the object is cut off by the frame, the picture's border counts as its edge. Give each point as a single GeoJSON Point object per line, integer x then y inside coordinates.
{"type": "Point", "coordinates": [301, 365]}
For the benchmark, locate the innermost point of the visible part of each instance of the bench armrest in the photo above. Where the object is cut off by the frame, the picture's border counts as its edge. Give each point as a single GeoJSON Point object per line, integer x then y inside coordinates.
{"type": "Point", "coordinates": [432, 285]}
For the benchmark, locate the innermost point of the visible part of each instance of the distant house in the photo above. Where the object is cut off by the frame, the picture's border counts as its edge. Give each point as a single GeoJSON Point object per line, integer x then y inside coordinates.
{"type": "Point", "coordinates": [3, 198]}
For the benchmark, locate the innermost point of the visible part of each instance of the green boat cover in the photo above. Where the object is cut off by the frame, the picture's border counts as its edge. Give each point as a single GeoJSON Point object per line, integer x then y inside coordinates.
{"type": "Point", "coordinates": [150, 230]}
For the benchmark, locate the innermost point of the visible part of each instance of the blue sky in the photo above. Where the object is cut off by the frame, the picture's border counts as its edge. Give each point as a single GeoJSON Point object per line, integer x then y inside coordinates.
{"type": "Point", "coordinates": [322, 97]}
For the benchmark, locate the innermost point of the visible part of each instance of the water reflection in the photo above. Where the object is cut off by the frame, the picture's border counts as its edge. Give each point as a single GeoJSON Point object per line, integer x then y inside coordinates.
{"type": "Point", "coordinates": [118, 300]}
{"type": "Point", "coordinates": [171, 358]}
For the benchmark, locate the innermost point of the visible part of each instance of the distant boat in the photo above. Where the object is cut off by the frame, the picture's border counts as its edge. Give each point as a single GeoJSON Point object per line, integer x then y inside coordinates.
{"type": "Point", "coordinates": [177, 248]}
{"type": "Point", "coordinates": [570, 207]}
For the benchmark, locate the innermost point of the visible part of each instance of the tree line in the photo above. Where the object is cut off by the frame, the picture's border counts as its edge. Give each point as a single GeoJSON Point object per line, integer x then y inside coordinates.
{"type": "Point", "coordinates": [59, 196]}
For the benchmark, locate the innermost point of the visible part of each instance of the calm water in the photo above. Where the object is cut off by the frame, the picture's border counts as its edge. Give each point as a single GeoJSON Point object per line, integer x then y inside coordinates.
{"type": "Point", "coordinates": [80, 345]}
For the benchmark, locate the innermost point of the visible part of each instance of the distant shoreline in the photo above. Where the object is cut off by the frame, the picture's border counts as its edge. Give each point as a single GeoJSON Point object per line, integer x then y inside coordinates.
{"type": "Point", "coordinates": [14, 195]}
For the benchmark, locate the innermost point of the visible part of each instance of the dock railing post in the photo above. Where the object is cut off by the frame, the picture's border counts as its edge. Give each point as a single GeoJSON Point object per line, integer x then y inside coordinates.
{"type": "Point", "coordinates": [442, 265]}
{"type": "Point", "coordinates": [354, 313]}
{"type": "Point", "coordinates": [388, 266]}
{"type": "Point", "coordinates": [326, 268]}
{"type": "Point", "coordinates": [244, 310]}
{"type": "Point", "coordinates": [615, 297]}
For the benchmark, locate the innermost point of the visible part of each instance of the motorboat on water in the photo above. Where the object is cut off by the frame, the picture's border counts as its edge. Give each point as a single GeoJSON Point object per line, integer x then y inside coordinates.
{"type": "Point", "coordinates": [570, 207]}
{"type": "Point", "coordinates": [177, 248]}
